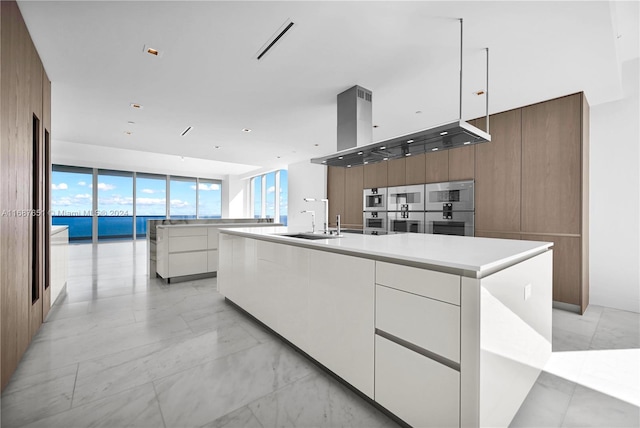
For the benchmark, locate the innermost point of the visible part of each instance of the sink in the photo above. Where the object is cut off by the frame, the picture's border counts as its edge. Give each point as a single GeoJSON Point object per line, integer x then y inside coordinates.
{"type": "Point", "coordinates": [310, 236]}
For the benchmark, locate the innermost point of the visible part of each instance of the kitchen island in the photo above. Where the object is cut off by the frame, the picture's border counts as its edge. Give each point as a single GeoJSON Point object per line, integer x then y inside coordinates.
{"type": "Point", "coordinates": [438, 330]}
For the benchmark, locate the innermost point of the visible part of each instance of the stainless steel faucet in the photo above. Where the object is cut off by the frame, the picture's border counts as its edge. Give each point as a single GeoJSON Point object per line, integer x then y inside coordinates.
{"type": "Point", "coordinates": [313, 219]}
{"type": "Point", "coordinates": [326, 212]}
{"type": "Point", "coordinates": [338, 223]}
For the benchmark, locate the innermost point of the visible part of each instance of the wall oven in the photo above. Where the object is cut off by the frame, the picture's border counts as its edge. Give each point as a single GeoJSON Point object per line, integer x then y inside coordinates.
{"type": "Point", "coordinates": [456, 223]}
{"type": "Point", "coordinates": [405, 198]}
{"type": "Point", "coordinates": [375, 222]}
{"type": "Point", "coordinates": [450, 208]}
{"type": "Point", "coordinates": [375, 199]}
{"type": "Point", "coordinates": [406, 221]}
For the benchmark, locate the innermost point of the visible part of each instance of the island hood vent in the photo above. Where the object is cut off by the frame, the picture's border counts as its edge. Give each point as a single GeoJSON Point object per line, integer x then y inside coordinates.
{"type": "Point", "coordinates": [355, 131]}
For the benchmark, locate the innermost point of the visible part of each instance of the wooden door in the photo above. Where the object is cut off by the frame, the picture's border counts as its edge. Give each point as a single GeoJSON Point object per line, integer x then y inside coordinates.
{"type": "Point", "coordinates": [335, 192]}
{"type": "Point", "coordinates": [354, 184]}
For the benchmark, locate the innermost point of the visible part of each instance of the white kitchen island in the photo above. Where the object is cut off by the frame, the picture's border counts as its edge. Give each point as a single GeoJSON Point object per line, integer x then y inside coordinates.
{"type": "Point", "coordinates": [439, 330]}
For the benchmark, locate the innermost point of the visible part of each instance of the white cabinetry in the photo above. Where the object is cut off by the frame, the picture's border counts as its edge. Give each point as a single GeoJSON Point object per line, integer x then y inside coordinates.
{"type": "Point", "coordinates": [186, 250]}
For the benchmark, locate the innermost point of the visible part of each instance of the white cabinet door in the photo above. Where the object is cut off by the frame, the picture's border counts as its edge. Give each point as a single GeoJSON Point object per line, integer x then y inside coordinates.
{"type": "Point", "coordinates": [423, 282]}
{"type": "Point", "coordinates": [187, 263]}
{"type": "Point", "coordinates": [212, 263]}
{"type": "Point", "coordinates": [187, 243]}
{"type": "Point", "coordinates": [212, 237]}
{"type": "Point", "coordinates": [341, 312]}
{"type": "Point", "coordinates": [420, 391]}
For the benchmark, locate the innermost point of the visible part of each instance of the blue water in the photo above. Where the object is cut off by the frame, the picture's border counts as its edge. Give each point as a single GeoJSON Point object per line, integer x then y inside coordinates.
{"type": "Point", "coordinates": [120, 227]}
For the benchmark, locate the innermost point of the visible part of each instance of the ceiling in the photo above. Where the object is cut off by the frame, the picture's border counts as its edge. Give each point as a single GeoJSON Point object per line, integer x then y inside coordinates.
{"type": "Point", "coordinates": [406, 53]}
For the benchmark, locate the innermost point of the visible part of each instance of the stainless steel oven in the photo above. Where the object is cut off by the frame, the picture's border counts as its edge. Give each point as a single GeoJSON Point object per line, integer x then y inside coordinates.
{"type": "Point", "coordinates": [375, 222]}
{"type": "Point", "coordinates": [406, 221]}
{"type": "Point", "coordinates": [450, 223]}
{"type": "Point", "coordinates": [451, 196]}
{"type": "Point", "coordinates": [374, 199]}
{"type": "Point", "coordinates": [405, 198]}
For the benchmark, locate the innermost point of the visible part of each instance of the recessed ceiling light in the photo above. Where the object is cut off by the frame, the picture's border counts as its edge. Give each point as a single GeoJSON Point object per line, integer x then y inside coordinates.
{"type": "Point", "coordinates": [408, 154]}
{"type": "Point", "coordinates": [348, 166]}
{"type": "Point", "coordinates": [385, 158]}
{"type": "Point", "coordinates": [435, 149]}
{"type": "Point", "coordinates": [135, 105]}
{"type": "Point", "coordinates": [360, 153]}
{"type": "Point", "coordinates": [152, 51]}
{"type": "Point", "coordinates": [366, 162]}
{"type": "Point", "coordinates": [467, 143]}
{"type": "Point", "coordinates": [186, 131]}
{"type": "Point", "coordinates": [409, 141]}
{"type": "Point", "coordinates": [128, 132]}
{"type": "Point", "coordinates": [131, 123]}
{"type": "Point", "coordinates": [383, 147]}
{"type": "Point", "coordinates": [340, 157]}
{"type": "Point", "coordinates": [316, 144]}
{"type": "Point", "coordinates": [419, 112]}
{"type": "Point", "coordinates": [324, 161]}
{"type": "Point", "coordinates": [375, 126]}
{"type": "Point", "coordinates": [444, 133]}
{"type": "Point", "coordinates": [217, 147]}
{"type": "Point", "coordinates": [246, 130]}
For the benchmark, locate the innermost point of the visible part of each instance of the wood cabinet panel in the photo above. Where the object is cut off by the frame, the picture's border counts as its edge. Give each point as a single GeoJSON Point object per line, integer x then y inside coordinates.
{"type": "Point", "coordinates": [567, 266]}
{"type": "Point", "coordinates": [335, 192]}
{"type": "Point", "coordinates": [354, 184]}
{"type": "Point", "coordinates": [46, 185]}
{"type": "Point", "coordinates": [396, 172]}
{"type": "Point", "coordinates": [498, 235]}
{"type": "Point", "coordinates": [436, 167]}
{"type": "Point", "coordinates": [462, 163]}
{"type": "Point", "coordinates": [551, 166]}
{"type": "Point", "coordinates": [375, 175]}
{"type": "Point", "coordinates": [585, 205]}
{"type": "Point", "coordinates": [415, 167]}
{"type": "Point", "coordinates": [498, 172]}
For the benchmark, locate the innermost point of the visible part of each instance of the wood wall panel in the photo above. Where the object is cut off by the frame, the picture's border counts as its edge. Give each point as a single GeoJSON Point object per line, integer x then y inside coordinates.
{"type": "Point", "coordinates": [415, 169]}
{"type": "Point", "coordinates": [21, 81]}
{"type": "Point", "coordinates": [437, 167]}
{"type": "Point", "coordinates": [396, 172]}
{"type": "Point", "coordinates": [567, 266]}
{"type": "Point", "coordinates": [498, 171]}
{"type": "Point", "coordinates": [584, 230]}
{"type": "Point", "coordinates": [462, 163]}
{"type": "Point", "coordinates": [354, 184]}
{"type": "Point", "coordinates": [335, 192]}
{"type": "Point", "coordinates": [375, 175]}
{"type": "Point", "coordinates": [46, 187]}
{"type": "Point", "coordinates": [551, 167]}
{"type": "Point", "coordinates": [498, 235]}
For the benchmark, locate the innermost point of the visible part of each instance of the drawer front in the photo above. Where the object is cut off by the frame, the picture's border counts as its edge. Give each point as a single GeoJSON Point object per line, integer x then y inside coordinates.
{"type": "Point", "coordinates": [420, 391]}
{"type": "Point", "coordinates": [212, 260]}
{"type": "Point", "coordinates": [427, 283]}
{"type": "Point", "coordinates": [427, 323]}
{"type": "Point", "coordinates": [187, 263]}
{"type": "Point", "coordinates": [187, 243]}
{"type": "Point", "coordinates": [187, 231]}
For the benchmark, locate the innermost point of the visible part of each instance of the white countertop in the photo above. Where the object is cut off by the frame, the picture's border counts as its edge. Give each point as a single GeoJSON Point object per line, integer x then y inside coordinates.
{"type": "Point", "coordinates": [463, 255]}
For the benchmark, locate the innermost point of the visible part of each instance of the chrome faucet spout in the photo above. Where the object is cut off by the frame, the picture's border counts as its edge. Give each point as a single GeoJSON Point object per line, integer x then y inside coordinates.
{"type": "Point", "coordinates": [313, 219]}
{"type": "Point", "coordinates": [326, 212]}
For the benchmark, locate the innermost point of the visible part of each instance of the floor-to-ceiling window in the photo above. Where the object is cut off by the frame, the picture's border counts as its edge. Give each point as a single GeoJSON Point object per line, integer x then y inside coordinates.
{"type": "Point", "coordinates": [269, 196]}
{"type": "Point", "coordinates": [72, 200]}
{"type": "Point", "coordinates": [182, 193]}
{"type": "Point", "coordinates": [115, 205]}
{"type": "Point", "coordinates": [151, 200]}
{"type": "Point", "coordinates": [209, 199]}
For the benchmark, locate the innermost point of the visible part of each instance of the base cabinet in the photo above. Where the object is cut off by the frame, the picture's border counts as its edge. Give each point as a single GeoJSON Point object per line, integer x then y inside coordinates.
{"type": "Point", "coordinates": [417, 389]}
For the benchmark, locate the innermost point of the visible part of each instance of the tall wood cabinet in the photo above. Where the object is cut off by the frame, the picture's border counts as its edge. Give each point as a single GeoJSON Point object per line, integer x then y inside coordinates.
{"type": "Point", "coordinates": [531, 183]}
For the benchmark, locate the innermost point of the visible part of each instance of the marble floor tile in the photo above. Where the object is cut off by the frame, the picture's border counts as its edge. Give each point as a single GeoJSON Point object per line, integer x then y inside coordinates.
{"type": "Point", "coordinates": [87, 323]}
{"type": "Point", "coordinates": [41, 398]}
{"type": "Point", "coordinates": [135, 408]}
{"type": "Point", "coordinates": [546, 404]}
{"type": "Point", "coordinates": [124, 370]}
{"type": "Point", "coordinates": [317, 401]}
{"type": "Point", "coordinates": [590, 408]}
{"type": "Point", "coordinates": [617, 330]}
{"type": "Point", "coordinates": [199, 395]}
{"type": "Point", "coordinates": [240, 418]}
{"type": "Point", "coordinates": [215, 316]}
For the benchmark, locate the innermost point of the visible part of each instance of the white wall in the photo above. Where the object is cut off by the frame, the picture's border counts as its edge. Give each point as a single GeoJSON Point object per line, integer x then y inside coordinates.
{"type": "Point", "coordinates": [614, 253]}
{"type": "Point", "coordinates": [234, 197]}
{"type": "Point", "coordinates": [306, 180]}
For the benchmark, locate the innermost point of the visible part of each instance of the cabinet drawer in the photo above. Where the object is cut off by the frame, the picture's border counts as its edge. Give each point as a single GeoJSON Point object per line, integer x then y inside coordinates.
{"type": "Point", "coordinates": [420, 391]}
{"type": "Point", "coordinates": [427, 283]}
{"type": "Point", "coordinates": [427, 323]}
{"type": "Point", "coordinates": [187, 263]}
{"type": "Point", "coordinates": [212, 233]}
{"type": "Point", "coordinates": [187, 243]}
{"type": "Point", "coordinates": [187, 231]}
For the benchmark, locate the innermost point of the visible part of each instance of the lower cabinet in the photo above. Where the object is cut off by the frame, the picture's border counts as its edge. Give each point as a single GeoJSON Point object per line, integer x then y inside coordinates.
{"type": "Point", "coordinates": [184, 250]}
{"type": "Point", "coordinates": [417, 389]}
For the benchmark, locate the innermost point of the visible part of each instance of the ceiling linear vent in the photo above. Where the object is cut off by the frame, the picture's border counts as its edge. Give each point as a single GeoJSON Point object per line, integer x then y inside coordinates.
{"type": "Point", "coordinates": [186, 131]}
{"type": "Point", "coordinates": [352, 115]}
{"type": "Point", "coordinates": [274, 39]}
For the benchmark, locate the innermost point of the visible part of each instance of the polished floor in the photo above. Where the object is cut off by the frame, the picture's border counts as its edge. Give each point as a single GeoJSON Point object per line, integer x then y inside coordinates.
{"type": "Point", "coordinates": [121, 350]}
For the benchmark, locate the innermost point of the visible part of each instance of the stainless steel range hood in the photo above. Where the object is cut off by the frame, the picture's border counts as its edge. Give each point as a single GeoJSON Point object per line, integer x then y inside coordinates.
{"type": "Point", "coordinates": [442, 137]}
{"type": "Point", "coordinates": [353, 110]}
